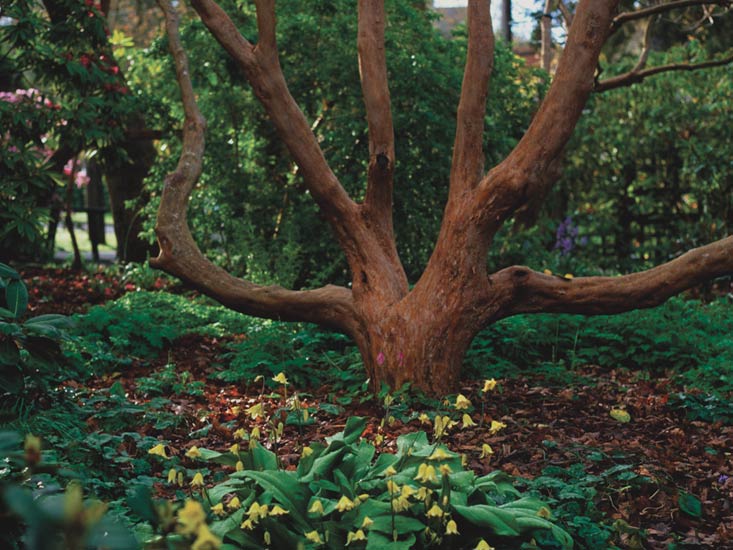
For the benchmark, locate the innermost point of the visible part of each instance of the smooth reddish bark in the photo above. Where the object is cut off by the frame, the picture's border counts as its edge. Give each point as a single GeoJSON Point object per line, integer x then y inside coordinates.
{"type": "Point", "coordinates": [417, 335]}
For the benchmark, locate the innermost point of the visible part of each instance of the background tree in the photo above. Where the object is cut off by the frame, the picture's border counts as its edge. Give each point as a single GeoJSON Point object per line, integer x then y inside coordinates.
{"type": "Point", "coordinates": [415, 334]}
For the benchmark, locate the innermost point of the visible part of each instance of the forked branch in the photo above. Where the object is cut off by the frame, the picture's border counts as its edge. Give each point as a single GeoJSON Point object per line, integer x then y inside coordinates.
{"type": "Point", "coordinates": [634, 76]}
{"type": "Point", "coordinates": [626, 16]}
{"type": "Point", "coordinates": [329, 306]}
{"type": "Point", "coordinates": [538, 293]}
{"type": "Point", "coordinates": [374, 85]}
{"type": "Point", "coordinates": [468, 158]}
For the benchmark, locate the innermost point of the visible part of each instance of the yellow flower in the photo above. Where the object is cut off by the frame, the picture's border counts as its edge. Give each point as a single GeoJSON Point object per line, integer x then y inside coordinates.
{"type": "Point", "coordinates": [316, 508]}
{"type": "Point", "coordinates": [444, 469]}
{"type": "Point", "coordinates": [407, 491]}
{"type": "Point", "coordinates": [32, 448]}
{"type": "Point", "coordinates": [547, 272]}
{"type": "Point", "coordinates": [496, 426]}
{"type": "Point", "coordinates": [390, 471]}
{"type": "Point", "coordinates": [568, 276]}
{"type": "Point", "coordinates": [423, 493]}
{"type": "Point", "coordinates": [278, 511]}
{"type": "Point", "coordinates": [486, 451]}
{"type": "Point", "coordinates": [462, 402]}
{"type": "Point", "coordinates": [240, 433]}
{"type": "Point", "coordinates": [218, 509]}
{"type": "Point", "coordinates": [281, 379]}
{"type": "Point", "coordinates": [159, 450]}
{"type": "Point", "coordinates": [257, 511]}
{"type": "Point", "coordinates": [172, 475]}
{"type": "Point", "coordinates": [179, 479]}
{"type": "Point", "coordinates": [367, 523]}
{"type": "Point", "coordinates": [378, 439]}
{"type": "Point", "coordinates": [424, 418]}
{"type": "Point", "coordinates": [544, 512]}
{"type": "Point", "coordinates": [234, 504]}
{"type": "Point", "coordinates": [205, 539]}
{"type": "Point", "coordinates": [441, 424]}
{"type": "Point", "coordinates": [255, 410]}
{"type": "Point", "coordinates": [267, 538]}
{"type": "Point", "coordinates": [344, 504]}
{"type": "Point", "coordinates": [426, 473]}
{"type": "Point", "coordinates": [489, 385]}
{"type": "Point", "coordinates": [198, 480]}
{"type": "Point", "coordinates": [239, 466]}
{"type": "Point", "coordinates": [620, 415]}
{"type": "Point", "coordinates": [305, 415]}
{"type": "Point", "coordinates": [314, 537]}
{"type": "Point", "coordinates": [392, 487]}
{"type": "Point", "coordinates": [435, 511]}
{"type": "Point", "coordinates": [400, 504]}
{"type": "Point", "coordinates": [440, 454]}
{"type": "Point", "coordinates": [307, 451]}
{"type": "Point", "coordinates": [255, 433]}
{"type": "Point", "coordinates": [193, 452]}
{"type": "Point", "coordinates": [234, 449]}
{"type": "Point", "coordinates": [451, 528]}
{"type": "Point", "coordinates": [190, 517]}
{"type": "Point", "coordinates": [483, 545]}
{"type": "Point", "coordinates": [247, 524]}
{"type": "Point", "coordinates": [467, 421]}
{"type": "Point", "coordinates": [352, 536]}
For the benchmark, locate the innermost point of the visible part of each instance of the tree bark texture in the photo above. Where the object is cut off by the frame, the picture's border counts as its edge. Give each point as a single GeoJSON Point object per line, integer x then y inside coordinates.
{"type": "Point", "coordinates": [419, 334]}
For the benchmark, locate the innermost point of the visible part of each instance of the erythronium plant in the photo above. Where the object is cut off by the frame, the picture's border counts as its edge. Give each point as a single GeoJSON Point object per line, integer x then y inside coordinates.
{"type": "Point", "coordinates": [417, 333]}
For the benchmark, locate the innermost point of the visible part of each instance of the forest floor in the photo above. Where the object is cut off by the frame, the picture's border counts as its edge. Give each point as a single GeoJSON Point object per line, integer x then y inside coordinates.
{"type": "Point", "coordinates": [660, 480]}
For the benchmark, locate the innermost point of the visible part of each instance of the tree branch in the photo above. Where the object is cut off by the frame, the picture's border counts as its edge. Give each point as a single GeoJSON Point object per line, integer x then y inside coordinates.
{"type": "Point", "coordinates": [329, 306]}
{"type": "Point", "coordinates": [634, 76]}
{"type": "Point", "coordinates": [624, 17]}
{"type": "Point", "coordinates": [468, 158]}
{"type": "Point", "coordinates": [262, 68]}
{"type": "Point", "coordinates": [373, 73]}
{"type": "Point", "coordinates": [538, 293]}
{"type": "Point", "coordinates": [527, 170]}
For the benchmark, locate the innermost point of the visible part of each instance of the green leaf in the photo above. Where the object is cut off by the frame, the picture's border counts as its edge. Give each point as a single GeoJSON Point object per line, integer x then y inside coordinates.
{"type": "Point", "coordinates": [690, 504]}
{"type": "Point", "coordinates": [8, 272]}
{"type": "Point", "coordinates": [16, 297]}
{"type": "Point", "coordinates": [501, 522]}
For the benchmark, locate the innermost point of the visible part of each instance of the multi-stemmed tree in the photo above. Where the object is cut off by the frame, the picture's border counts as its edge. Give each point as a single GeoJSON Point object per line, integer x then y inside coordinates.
{"type": "Point", "coordinates": [416, 333]}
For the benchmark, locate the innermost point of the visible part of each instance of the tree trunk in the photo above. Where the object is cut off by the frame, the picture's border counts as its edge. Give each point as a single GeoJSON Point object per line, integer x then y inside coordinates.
{"type": "Point", "coordinates": [125, 183]}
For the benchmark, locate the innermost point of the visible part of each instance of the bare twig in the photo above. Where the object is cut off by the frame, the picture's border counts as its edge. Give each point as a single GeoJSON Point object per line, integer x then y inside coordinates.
{"type": "Point", "coordinates": [624, 17]}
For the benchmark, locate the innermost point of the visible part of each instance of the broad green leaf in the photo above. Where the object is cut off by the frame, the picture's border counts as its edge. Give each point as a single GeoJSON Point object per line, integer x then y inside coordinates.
{"type": "Point", "coordinates": [501, 522]}
{"type": "Point", "coordinates": [690, 504]}
{"type": "Point", "coordinates": [16, 297]}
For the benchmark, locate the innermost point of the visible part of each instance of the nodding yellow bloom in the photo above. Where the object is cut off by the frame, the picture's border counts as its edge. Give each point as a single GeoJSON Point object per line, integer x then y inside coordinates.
{"type": "Point", "coordinates": [367, 523]}
{"type": "Point", "coordinates": [247, 524]}
{"type": "Point", "coordinates": [496, 426]}
{"type": "Point", "coordinates": [193, 452]}
{"type": "Point", "coordinates": [190, 517]}
{"type": "Point", "coordinates": [172, 475]}
{"type": "Point", "coordinates": [407, 491]}
{"type": "Point", "coordinates": [307, 451]}
{"type": "Point", "coordinates": [390, 471]}
{"type": "Point", "coordinates": [255, 433]}
{"type": "Point", "coordinates": [362, 497]}
{"type": "Point", "coordinates": [440, 454]}
{"type": "Point", "coordinates": [435, 511]}
{"type": "Point", "coordinates": [234, 504]}
{"type": "Point", "coordinates": [256, 511]}
{"type": "Point", "coordinates": [159, 450]}
{"type": "Point", "coordinates": [179, 479]}
{"type": "Point", "coordinates": [198, 480]}
{"type": "Point", "coordinates": [544, 512]}
{"type": "Point", "coordinates": [424, 418]}
{"type": "Point", "coordinates": [489, 385]}
{"type": "Point", "coordinates": [240, 433]}
{"type": "Point", "coordinates": [314, 537]}
{"type": "Point", "coordinates": [483, 545]}
{"type": "Point", "coordinates": [392, 487]}
{"type": "Point", "coordinates": [316, 508]}
{"type": "Point", "coordinates": [218, 509]}
{"type": "Point", "coordinates": [426, 473]}
{"type": "Point", "coordinates": [568, 276]}
{"type": "Point", "coordinates": [305, 415]}
{"type": "Point", "coordinates": [344, 504]}
{"type": "Point", "coordinates": [32, 449]}
{"type": "Point", "coordinates": [281, 379]}
{"type": "Point", "coordinates": [547, 272]}
{"type": "Point", "coordinates": [486, 451]}
{"type": "Point", "coordinates": [468, 421]}
{"type": "Point", "coordinates": [278, 511]}
{"type": "Point", "coordinates": [378, 439]}
{"type": "Point", "coordinates": [400, 504]}
{"type": "Point", "coordinates": [451, 528]}
{"type": "Point", "coordinates": [352, 536]}
{"type": "Point", "coordinates": [239, 466]}
{"type": "Point", "coordinates": [234, 449]}
{"type": "Point", "coordinates": [267, 538]}
{"type": "Point", "coordinates": [205, 539]}
{"type": "Point", "coordinates": [441, 424]}
{"type": "Point", "coordinates": [256, 410]}
{"type": "Point", "coordinates": [444, 469]}
{"type": "Point", "coordinates": [462, 402]}
{"type": "Point", "coordinates": [423, 493]}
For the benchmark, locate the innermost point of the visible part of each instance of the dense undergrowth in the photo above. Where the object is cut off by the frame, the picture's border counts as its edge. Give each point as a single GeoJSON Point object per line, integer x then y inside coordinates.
{"type": "Point", "coordinates": [77, 422]}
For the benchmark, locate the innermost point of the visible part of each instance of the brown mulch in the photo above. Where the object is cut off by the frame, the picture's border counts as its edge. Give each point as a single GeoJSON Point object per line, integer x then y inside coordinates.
{"type": "Point", "coordinates": [547, 426]}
